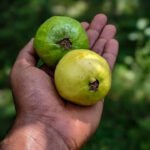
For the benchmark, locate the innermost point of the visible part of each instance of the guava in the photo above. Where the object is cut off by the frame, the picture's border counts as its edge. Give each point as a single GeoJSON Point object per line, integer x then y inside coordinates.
{"type": "Point", "coordinates": [82, 77]}
{"type": "Point", "coordinates": [58, 35]}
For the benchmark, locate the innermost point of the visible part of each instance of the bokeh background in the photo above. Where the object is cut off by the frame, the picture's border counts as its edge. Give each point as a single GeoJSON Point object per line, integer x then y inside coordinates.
{"type": "Point", "coordinates": [126, 118]}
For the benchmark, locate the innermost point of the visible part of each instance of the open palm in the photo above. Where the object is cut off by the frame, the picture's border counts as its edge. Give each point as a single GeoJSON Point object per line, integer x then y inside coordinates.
{"type": "Point", "coordinates": [36, 97]}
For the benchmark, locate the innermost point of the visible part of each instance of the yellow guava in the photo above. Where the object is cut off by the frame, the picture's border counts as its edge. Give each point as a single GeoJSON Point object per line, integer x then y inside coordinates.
{"type": "Point", "coordinates": [58, 35]}
{"type": "Point", "coordinates": [82, 77]}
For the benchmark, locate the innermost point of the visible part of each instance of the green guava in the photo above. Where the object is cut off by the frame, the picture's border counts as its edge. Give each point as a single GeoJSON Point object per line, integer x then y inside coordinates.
{"type": "Point", "coordinates": [58, 35]}
{"type": "Point", "coordinates": [82, 77]}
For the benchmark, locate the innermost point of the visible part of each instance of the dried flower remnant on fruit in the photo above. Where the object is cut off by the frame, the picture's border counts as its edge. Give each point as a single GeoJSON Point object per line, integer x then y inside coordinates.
{"type": "Point", "coordinates": [94, 85]}
{"type": "Point", "coordinates": [65, 43]}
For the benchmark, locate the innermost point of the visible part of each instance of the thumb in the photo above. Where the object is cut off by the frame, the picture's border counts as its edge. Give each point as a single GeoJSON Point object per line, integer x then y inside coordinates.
{"type": "Point", "coordinates": [27, 55]}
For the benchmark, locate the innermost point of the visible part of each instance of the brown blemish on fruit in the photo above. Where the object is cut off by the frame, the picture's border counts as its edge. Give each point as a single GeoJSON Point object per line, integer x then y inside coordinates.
{"type": "Point", "coordinates": [65, 43]}
{"type": "Point", "coordinates": [94, 85]}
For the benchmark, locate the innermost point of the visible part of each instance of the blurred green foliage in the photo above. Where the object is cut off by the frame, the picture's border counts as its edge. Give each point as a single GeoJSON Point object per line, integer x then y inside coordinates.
{"type": "Point", "coordinates": [125, 122]}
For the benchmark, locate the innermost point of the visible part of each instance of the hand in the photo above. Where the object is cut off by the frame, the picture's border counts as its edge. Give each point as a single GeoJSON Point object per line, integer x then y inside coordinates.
{"type": "Point", "coordinates": [43, 119]}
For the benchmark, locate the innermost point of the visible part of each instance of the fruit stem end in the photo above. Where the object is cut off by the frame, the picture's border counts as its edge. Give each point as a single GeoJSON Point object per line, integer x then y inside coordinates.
{"type": "Point", "coordinates": [94, 85]}
{"type": "Point", "coordinates": [65, 43]}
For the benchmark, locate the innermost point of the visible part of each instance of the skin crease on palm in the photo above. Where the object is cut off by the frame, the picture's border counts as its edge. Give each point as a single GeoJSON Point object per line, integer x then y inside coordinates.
{"type": "Point", "coordinates": [38, 105]}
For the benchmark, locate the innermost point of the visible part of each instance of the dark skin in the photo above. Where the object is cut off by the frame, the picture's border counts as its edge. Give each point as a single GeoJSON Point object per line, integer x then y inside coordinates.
{"type": "Point", "coordinates": [44, 121]}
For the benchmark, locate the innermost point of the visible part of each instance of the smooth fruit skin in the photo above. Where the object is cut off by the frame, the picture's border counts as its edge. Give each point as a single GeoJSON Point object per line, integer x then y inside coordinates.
{"type": "Point", "coordinates": [76, 71]}
{"type": "Point", "coordinates": [52, 31]}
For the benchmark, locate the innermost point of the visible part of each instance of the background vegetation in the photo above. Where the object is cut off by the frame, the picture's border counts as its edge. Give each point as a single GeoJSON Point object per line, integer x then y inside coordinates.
{"type": "Point", "coordinates": [126, 118]}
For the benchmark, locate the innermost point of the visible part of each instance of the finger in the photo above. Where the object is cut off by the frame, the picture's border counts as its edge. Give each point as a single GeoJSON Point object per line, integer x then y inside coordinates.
{"type": "Point", "coordinates": [85, 25]}
{"type": "Point", "coordinates": [27, 55]}
{"type": "Point", "coordinates": [108, 32]}
{"type": "Point", "coordinates": [96, 27]}
{"type": "Point", "coordinates": [99, 45]}
{"type": "Point", "coordinates": [110, 52]}
{"type": "Point", "coordinates": [98, 22]}
{"type": "Point", "coordinates": [92, 36]}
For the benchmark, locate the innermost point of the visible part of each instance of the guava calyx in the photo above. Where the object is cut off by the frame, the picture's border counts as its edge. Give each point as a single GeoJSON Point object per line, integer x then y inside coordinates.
{"type": "Point", "coordinates": [65, 43]}
{"type": "Point", "coordinates": [93, 86]}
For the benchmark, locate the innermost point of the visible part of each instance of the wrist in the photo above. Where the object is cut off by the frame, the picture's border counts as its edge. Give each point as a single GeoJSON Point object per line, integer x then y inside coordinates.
{"type": "Point", "coordinates": [28, 133]}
